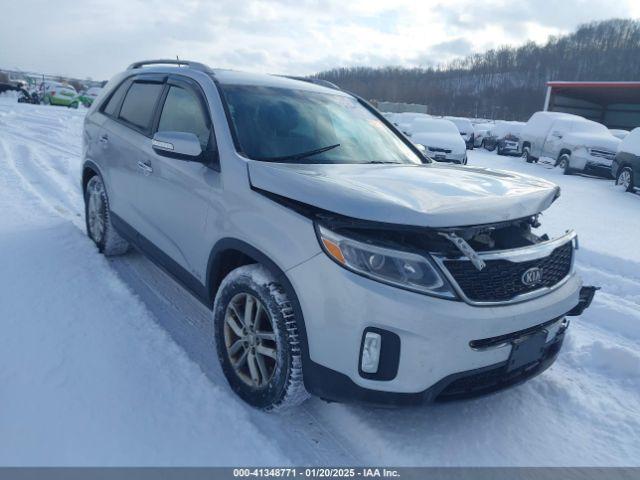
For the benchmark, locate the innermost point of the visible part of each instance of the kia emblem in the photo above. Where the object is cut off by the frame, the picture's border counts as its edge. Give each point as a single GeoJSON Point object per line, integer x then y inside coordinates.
{"type": "Point", "coordinates": [532, 277]}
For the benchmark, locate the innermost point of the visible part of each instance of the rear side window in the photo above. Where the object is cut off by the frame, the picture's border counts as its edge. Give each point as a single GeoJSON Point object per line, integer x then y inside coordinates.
{"type": "Point", "coordinates": [182, 112]}
{"type": "Point", "coordinates": [114, 101]}
{"type": "Point", "coordinates": [139, 104]}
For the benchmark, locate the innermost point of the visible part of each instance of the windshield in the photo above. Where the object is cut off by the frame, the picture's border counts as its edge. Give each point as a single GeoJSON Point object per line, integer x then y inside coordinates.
{"type": "Point", "coordinates": [277, 124]}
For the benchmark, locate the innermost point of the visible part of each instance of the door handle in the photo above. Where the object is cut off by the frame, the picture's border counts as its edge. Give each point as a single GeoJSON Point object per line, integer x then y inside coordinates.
{"type": "Point", "coordinates": [104, 139]}
{"type": "Point", "coordinates": [146, 168]}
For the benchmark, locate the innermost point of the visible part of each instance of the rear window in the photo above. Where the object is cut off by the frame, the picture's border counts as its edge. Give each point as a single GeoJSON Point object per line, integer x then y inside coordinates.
{"type": "Point", "coordinates": [139, 104]}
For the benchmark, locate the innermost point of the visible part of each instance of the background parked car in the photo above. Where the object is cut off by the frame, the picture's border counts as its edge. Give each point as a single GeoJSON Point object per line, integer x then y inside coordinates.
{"type": "Point", "coordinates": [480, 131]}
{"type": "Point", "coordinates": [577, 144]}
{"type": "Point", "coordinates": [88, 96]}
{"type": "Point", "coordinates": [535, 131]}
{"type": "Point", "coordinates": [56, 93]}
{"type": "Point", "coordinates": [619, 133]}
{"type": "Point", "coordinates": [441, 139]}
{"type": "Point", "coordinates": [505, 137]}
{"type": "Point", "coordinates": [626, 165]}
{"type": "Point", "coordinates": [465, 128]}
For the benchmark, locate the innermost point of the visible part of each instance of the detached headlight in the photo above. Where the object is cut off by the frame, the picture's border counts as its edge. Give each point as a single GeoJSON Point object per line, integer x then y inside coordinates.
{"type": "Point", "coordinates": [402, 269]}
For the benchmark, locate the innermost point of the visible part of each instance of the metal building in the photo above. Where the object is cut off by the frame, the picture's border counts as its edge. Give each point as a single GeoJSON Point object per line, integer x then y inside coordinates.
{"type": "Point", "coordinates": [614, 104]}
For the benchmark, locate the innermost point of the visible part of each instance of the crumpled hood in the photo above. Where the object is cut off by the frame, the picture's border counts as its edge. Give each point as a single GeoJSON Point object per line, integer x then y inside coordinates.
{"type": "Point", "coordinates": [590, 140]}
{"type": "Point", "coordinates": [431, 195]}
{"type": "Point", "coordinates": [453, 142]}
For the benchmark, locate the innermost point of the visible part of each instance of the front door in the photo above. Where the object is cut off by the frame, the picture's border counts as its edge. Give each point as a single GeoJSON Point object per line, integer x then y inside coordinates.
{"type": "Point", "coordinates": [175, 194]}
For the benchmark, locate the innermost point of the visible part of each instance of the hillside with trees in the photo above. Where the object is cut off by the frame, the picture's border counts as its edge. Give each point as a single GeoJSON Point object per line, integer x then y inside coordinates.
{"type": "Point", "coordinates": [507, 83]}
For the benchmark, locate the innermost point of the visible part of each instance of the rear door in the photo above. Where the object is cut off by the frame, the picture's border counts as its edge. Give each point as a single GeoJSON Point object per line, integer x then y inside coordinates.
{"type": "Point", "coordinates": [124, 138]}
{"type": "Point", "coordinates": [175, 195]}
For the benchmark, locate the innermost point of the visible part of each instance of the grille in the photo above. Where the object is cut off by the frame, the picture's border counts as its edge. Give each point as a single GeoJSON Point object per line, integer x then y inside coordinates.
{"type": "Point", "coordinates": [596, 152]}
{"type": "Point", "coordinates": [501, 280]}
{"type": "Point", "coordinates": [439, 150]}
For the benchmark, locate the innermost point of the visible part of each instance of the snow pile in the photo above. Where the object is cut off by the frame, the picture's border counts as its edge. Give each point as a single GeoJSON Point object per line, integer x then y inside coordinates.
{"type": "Point", "coordinates": [108, 362]}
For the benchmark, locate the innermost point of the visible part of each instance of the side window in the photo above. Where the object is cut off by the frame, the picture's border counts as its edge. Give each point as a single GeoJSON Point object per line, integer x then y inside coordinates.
{"type": "Point", "coordinates": [182, 112]}
{"type": "Point", "coordinates": [139, 104]}
{"type": "Point", "coordinates": [114, 100]}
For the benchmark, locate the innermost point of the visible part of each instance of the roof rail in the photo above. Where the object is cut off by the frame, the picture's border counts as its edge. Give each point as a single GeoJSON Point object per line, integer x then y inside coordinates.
{"type": "Point", "coordinates": [187, 63]}
{"type": "Point", "coordinates": [316, 81]}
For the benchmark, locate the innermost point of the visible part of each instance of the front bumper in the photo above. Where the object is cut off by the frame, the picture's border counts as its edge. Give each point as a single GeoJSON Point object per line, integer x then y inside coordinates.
{"type": "Point", "coordinates": [584, 161]}
{"type": "Point", "coordinates": [447, 157]}
{"type": "Point", "coordinates": [435, 334]}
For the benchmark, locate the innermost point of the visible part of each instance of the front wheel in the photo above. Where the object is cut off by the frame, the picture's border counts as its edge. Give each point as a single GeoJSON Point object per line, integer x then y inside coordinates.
{"type": "Point", "coordinates": [564, 164]}
{"type": "Point", "coordinates": [526, 154]}
{"type": "Point", "coordinates": [257, 339]}
{"type": "Point", "coordinates": [624, 180]}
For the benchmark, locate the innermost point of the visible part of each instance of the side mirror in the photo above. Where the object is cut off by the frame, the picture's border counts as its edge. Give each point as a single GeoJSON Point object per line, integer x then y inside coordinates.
{"type": "Point", "coordinates": [181, 145]}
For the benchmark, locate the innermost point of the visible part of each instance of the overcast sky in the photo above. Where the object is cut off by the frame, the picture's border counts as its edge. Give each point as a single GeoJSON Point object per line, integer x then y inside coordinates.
{"type": "Point", "coordinates": [91, 38]}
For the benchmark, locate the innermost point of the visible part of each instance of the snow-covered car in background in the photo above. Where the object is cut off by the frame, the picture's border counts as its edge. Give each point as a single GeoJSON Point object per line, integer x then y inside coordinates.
{"type": "Point", "coordinates": [619, 133]}
{"type": "Point", "coordinates": [574, 143]}
{"type": "Point", "coordinates": [580, 145]}
{"type": "Point", "coordinates": [465, 127]}
{"type": "Point", "coordinates": [87, 97]}
{"type": "Point", "coordinates": [626, 165]}
{"type": "Point", "coordinates": [480, 131]}
{"type": "Point", "coordinates": [56, 93]}
{"type": "Point", "coordinates": [504, 137]}
{"type": "Point", "coordinates": [534, 133]}
{"type": "Point", "coordinates": [441, 140]}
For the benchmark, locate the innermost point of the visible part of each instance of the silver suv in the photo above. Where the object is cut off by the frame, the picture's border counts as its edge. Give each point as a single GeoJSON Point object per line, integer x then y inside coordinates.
{"type": "Point", "coordinates": [336, 258]}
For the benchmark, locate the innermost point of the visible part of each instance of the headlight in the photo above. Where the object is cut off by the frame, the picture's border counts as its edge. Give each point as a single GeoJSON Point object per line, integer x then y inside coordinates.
{"type": "Point", "coordinates": [394, 267]}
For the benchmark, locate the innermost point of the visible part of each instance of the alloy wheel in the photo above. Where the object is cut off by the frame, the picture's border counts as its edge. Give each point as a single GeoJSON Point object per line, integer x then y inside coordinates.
{"type": "Point", "coordinates": [250, 340]}
{"type": "Point", "coordinates": [624, 179]}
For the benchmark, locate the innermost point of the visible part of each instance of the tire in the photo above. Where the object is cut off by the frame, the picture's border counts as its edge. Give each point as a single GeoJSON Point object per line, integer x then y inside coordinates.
{"type": "Point", "coordinates": [624, 179]}
{"type": "Point", "coordinates": [526, 154]}
{"type": "Point", "coordinates": [73, 105]}
{"type": "Point", "coordinates": [563, 163]}
{"type": "Point", "coordinates": [483, 144]}
{"type": "Point", "coordinates": [98, 220]}
{"type": "Point", "coordinates": [499, 150]}
{"type": "Point", "coordinates": [465, 159]}
{"type": "Point", "coordinates": [268, 366]}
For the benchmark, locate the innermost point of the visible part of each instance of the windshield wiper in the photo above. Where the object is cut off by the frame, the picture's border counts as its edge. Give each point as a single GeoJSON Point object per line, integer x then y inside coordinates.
{"type": "Point", "coordinates": [299, 156]}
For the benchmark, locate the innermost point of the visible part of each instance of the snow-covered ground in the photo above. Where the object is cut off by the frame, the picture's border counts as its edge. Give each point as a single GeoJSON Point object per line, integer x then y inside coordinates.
{"type": "Point", "coordinates": [109, 362]}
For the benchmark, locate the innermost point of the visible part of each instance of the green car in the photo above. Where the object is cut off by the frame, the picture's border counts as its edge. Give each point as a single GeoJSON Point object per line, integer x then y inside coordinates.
{"type": "Point", "coordinates": [56, 93]}
{"type": "Point", "coordinates": [88, 96]}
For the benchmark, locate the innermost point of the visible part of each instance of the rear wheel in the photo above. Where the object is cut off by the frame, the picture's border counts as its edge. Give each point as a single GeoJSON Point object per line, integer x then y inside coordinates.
{"type": "Point", "coordinates": [526, 154]}
{"type": "Point", "coordinates": [257, 339]}
{"type": "Point", "coordinates": [624, 180]}
{"type": "Point", "coordinates": [98, 219]}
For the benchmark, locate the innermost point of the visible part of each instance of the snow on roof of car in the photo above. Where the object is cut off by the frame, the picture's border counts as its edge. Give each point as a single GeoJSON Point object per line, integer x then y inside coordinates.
{"type": "Point", "coordinates": [430, 124]}
{"type": "Point", "coordinates": [631, 143]}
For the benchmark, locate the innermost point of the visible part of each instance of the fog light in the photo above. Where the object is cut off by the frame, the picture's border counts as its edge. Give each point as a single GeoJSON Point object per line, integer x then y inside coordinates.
{"type": "Point", "coordinates": [371, 352]}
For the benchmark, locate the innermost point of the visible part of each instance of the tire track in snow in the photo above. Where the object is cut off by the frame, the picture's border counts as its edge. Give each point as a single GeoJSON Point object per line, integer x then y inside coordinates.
{"type": "Point", "coordinates": [298, 433]}
{"type": "Point", "coordinates": [584, 395]}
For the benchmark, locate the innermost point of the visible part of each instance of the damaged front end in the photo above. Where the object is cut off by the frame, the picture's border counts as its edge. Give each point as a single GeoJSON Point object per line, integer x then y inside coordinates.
{"type": "Point", "coordinates": [482, 265]}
